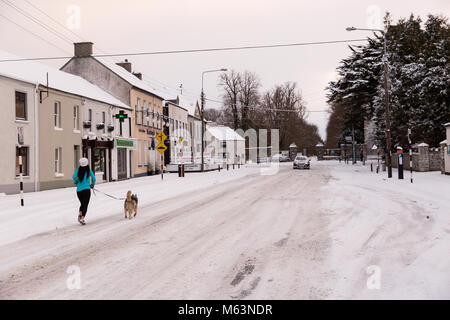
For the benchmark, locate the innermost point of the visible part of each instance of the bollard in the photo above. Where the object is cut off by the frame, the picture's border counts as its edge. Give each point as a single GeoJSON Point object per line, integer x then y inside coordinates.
{"type": "Point", "coordinates": [228, 166]}
{"type": "Point", "coordinates": [233, 166]}
{"type": "Point", "coordinates": [219, 167]}
{"type": "Point", "coordinates": [400, 166]}
{"type": "Point", "coordinates": [371, 167]}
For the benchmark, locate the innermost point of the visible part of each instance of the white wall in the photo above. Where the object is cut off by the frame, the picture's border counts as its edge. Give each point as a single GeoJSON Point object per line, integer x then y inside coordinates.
{"type": "Point", "coordinates": [8, 135]}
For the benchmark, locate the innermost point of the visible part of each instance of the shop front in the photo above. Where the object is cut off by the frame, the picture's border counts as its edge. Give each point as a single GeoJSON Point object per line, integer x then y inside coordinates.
{"type": "Point", "coordinates": [99, 154]}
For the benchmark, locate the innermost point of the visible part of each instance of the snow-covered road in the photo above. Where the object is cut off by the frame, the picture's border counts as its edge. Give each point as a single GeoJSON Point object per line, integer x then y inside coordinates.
{"type": "Point", "coordinates": [234, 235]}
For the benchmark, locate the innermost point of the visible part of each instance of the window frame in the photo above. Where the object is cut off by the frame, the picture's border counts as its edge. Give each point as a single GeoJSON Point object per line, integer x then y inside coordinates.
{"type": "Point", "coordinates": [76, 118]}
{"type": "Point", "coordinates": [25, 111]}
{"type": "Point", "coordinates": [57, 118]}
{"type": "Point", "coordinates": [58, 160]}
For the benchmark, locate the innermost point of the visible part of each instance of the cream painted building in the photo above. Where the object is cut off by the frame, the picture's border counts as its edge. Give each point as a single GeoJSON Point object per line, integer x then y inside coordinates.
{"type": "Point", "coordinates": [53, 134]}
{"type": "Point", "coordinates": [120, 81]}
{"type": "Point", "coordinates": [17, 106]}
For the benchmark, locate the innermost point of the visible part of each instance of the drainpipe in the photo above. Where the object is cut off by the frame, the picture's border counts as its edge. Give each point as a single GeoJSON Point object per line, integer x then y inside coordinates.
{"type": "Point", "coordinates": [36, 139]}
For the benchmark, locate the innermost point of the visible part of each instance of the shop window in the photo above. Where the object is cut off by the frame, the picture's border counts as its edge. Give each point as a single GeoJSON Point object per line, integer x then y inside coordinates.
{"type": "Point", "coordinates": [21, 105]}
{"type": "Point", "coordinates": [24, 152]}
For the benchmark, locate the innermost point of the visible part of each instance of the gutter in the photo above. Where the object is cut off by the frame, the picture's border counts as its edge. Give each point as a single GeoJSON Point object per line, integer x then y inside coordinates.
{"type": "Point", "coordinates": [36, 139]}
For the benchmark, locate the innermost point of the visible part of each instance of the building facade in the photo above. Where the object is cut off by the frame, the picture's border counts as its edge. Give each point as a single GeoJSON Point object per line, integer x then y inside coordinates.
{"type": "Point", "coordinates": [18, 108]}
{"type": "Point", "coordinates": [446, 149]}
{"type": "Point", "coordinates": [178, 133]}
{"type": "Point", "coordinates": [129, 88]}
{"type": "Point", "coordinates": [224, 146]}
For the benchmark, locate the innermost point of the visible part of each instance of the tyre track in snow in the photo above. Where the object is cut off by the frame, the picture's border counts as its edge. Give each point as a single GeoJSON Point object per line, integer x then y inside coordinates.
{"type": "Point", "coordinates": [186, 252]}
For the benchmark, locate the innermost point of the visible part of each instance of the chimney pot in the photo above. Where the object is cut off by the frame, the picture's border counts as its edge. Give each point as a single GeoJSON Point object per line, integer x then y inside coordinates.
{"type": "Point", "coordinates": [83, 49]}
{"type": "Point", "coordinates": [138, 75]}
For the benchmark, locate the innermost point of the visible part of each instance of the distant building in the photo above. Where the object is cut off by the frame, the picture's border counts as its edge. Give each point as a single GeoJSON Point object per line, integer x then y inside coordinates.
{"type": "Point", "coordinates": [446, 149]}
{"type": "Point", "coordinates": [224, 145]}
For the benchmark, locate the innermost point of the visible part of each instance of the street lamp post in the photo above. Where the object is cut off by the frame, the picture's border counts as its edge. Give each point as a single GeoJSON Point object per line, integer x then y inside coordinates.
{"type": "Point", "coordinates": [202, 108]}
{"type": "Point", "coordinates": [386, 97]}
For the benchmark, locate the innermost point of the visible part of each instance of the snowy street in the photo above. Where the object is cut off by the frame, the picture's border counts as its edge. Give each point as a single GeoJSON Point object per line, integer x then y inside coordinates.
{"type": "Point", "coordinates": [238, 234]}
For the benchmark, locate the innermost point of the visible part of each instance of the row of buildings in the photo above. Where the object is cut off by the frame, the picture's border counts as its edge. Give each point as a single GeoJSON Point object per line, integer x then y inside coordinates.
{"type": "Point", "coordinates": [62, 115]}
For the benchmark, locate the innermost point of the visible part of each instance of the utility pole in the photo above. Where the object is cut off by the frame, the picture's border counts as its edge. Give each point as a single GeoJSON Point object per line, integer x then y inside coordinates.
{"type": "Point", "coordinates": [202, 109]}
{"type": "Point", "coordinates": [410, 155]}
{"type": "Point", "coordinates": [386, 97]}
{"type": "Point", "coordinates": [388, 110]}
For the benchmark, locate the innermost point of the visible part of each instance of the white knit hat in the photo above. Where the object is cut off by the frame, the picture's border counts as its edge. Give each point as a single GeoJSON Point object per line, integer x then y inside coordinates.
{"type": "Point", "coordinates": [84, 162]}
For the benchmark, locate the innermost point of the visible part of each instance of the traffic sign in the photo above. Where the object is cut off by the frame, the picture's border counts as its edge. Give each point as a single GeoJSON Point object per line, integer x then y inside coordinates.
{"type": "Point", "coordinates": [161, 147]}
{"type": "Point", "coordinates": [161, 136]}
{"type": "Point", "coordinates": [181, 139]}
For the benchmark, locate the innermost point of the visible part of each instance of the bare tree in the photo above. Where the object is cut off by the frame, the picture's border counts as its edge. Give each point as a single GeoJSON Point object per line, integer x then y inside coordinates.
{"type": "Point", "coordinates": [229, 82]}
{"type": "Point", "coordinates": [249, 85]}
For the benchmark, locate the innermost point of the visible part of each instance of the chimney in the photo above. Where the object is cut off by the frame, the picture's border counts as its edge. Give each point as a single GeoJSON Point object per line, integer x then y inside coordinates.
{"type": "Point", "coordinates": [138, 75]}
{"type": "Point", "coordinates": [126, 65]}
{"type": "Point", "coordinates": [83, 49]}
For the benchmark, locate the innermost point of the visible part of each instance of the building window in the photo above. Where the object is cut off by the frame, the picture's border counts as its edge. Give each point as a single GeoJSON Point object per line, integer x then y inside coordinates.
{"type": "Point", "coordinates": [224, 144]}
{"type": "Point", "coordinates": [76, 118]}
{"type": "Point", "coordinates": [90, 115]}
{"type": "Point", "coordinates": [57, 114]}
{"type": "Point", "coordinates": [76, 156]}
{"type": "Point", "coordinates": [21, 106]}
{"type": "Point", "coordinates": [23, 151]}
{"type": "Point", "coordinates": [225, 155]}
{"type": "Point", "coordinates": [139, 153]}
{"type": "Point", "coordinates": [104, 121]}
{"type": "Point", "coordinates": [58, 162]}
{"type": "Point", "coordinates": [138, 112]}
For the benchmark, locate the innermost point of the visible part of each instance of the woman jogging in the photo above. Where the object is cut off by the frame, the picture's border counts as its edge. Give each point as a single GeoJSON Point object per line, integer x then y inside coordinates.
{"type": "Point", "coordinates": [81, 178]}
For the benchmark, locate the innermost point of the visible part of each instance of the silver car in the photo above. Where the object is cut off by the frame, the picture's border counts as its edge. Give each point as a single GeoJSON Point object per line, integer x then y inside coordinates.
{"type": "Point", "coordinates": [301, 162]}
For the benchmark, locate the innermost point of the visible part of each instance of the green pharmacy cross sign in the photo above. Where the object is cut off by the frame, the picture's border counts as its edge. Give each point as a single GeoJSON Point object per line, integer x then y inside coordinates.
{"type": "Point", "coordinates": [121, 116]}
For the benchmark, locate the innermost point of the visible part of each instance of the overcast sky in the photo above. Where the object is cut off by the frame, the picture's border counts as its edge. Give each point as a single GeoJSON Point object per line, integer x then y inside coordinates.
{"type": "Point", "coordinates": [155, 25]}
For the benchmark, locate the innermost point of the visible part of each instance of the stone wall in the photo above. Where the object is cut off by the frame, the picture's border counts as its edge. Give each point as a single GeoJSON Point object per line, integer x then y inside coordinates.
{"type": "Point", "coordinates": [423, 160]}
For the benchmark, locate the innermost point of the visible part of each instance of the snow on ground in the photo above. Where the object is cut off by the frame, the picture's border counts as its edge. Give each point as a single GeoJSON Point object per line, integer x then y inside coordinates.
{"type": "Point", "coordinates": [237, 234]}
{"type": "Point", "coordinates": [402, 228]}
{"type": "Point", "coordinates": [53, 209]}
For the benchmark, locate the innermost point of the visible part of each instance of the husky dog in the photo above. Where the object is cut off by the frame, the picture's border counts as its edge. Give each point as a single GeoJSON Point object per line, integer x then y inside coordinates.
{"type": "Point", "coordinates": [130, 205]}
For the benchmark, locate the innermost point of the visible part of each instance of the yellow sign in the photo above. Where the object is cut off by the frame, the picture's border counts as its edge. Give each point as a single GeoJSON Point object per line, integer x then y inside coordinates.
{"type": "Point", "coordinates": [181, 139]}
{"type": "Point", "coordinates": [161, 147]}
{"type": "Point", "coordinates": [161, 137]}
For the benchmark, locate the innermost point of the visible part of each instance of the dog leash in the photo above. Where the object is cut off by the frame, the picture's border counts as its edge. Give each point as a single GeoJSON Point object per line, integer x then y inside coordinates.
{"type": "Point", "coordinates": [108, 195]}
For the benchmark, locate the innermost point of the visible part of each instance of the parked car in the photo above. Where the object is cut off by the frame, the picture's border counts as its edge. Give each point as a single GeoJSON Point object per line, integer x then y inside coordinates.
{"type": "Point", "coordinates": [280, 158]}
{"type": "Point", "coordinates": [302, 162]}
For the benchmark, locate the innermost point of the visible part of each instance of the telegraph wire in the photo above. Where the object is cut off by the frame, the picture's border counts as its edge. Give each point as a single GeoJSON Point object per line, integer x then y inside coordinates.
{"type": "Point", "coordinates": [194, 50]}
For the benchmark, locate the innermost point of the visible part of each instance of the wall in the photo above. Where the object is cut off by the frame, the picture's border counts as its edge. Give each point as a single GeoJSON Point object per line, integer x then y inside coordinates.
{"type": "Point", "coordinates": [9, 184]}
{"type": "Point", "coordinates": [145, 133]}
{"type": "Point", "coordinates": [94, 72]}
{"type": "Point", "coordinates": [50, 138]}
{"type": "Point", "coordinates": [447, 153]}
{"type": "Point", "coordinates": [181, 115]}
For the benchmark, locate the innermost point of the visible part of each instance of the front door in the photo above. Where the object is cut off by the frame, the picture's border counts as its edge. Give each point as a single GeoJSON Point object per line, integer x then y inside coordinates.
{"type": "Point", "coordinates": [121, 163]}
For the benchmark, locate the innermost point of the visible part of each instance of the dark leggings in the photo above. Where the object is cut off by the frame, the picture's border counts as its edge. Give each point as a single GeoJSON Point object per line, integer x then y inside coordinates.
{"type": "Point", "coordinates": [84, 196]}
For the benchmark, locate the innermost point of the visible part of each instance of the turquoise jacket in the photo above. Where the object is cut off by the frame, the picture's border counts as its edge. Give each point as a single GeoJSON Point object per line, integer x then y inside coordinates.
{"type": "Point", "coordinates": [84, 184]}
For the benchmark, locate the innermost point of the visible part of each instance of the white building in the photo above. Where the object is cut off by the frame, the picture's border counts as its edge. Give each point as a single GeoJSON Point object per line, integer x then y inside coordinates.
{"type": "Point", "coordinates": [446, 145]}
{"type": "Point", "coordinates": [224, 146]}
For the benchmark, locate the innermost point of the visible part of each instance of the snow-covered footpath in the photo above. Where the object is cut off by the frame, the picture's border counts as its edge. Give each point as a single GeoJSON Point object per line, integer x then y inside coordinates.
{"type": "Point", "coordinates": [53, 209]}
{"type": "Point", "coordinates": [391, 228]}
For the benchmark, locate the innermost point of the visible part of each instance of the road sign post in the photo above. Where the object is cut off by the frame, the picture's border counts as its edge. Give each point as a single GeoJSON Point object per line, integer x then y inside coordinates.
{"type": "Point", "coordinates": [400, 162]}
{"type": "Point", "coordinates": [161, 147]}
{"type": "Point", "coordinates": [20, 142]}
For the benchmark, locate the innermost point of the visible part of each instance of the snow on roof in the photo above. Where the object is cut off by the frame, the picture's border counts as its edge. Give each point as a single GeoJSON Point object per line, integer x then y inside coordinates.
{"type": "Point", "coordinates": [132, 79]}
{"type": "Point", "coordinates": [293, 145]}
{"type": "Point", "coordinates": [188, 104]}
{"type": "Point", "coordinates": [319, 145]}
{"type": "Point", "coordinates": [443, 142]}
{"type": "Point", "coordinates": [224, 133]}
{"type": "Point", "coordinates": [447, 124]}
{"type": "Point", "coordinates": [423, 144]}
{"type": "Point", "coordinates": [36, 73]}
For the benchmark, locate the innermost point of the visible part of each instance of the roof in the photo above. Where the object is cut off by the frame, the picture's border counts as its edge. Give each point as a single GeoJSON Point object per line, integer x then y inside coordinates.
{"type": "Point", "coordinates": [443, 142]}
{"type": "Point", "coordinates": [447, 124]}
{"type": "Point", "coordinates": [187, 104]}
{"type": "Point", "coordinates": [131, 79]}
{"type": "Point", "coordinates": [224, 133]}
{"type": "Point", "coordinates": [36, 73]}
